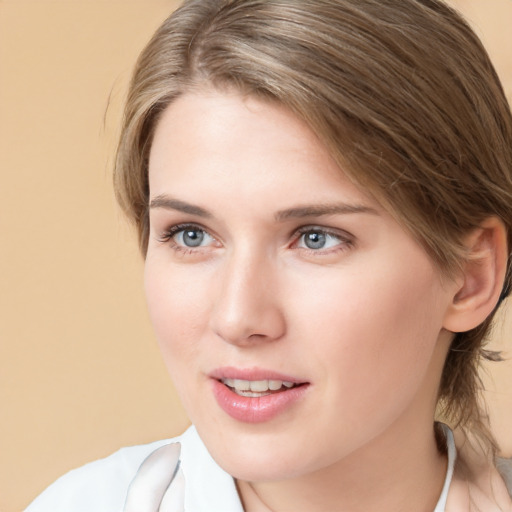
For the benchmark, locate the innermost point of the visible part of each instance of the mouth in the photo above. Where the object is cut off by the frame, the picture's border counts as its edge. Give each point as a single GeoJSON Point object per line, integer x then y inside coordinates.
{"type": "Point", "coordinates": [255, 396]}
{"type": "Point", "coordinates": [258, 388]}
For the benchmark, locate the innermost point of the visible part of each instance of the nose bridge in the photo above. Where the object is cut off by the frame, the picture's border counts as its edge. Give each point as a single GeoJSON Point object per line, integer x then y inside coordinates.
{"type": "Point", "coordinates": [247, 306]}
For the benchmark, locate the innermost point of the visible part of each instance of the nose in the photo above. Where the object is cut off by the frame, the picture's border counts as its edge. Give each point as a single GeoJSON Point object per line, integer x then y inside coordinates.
{"type": "Point", "coordinates": [247, 309]}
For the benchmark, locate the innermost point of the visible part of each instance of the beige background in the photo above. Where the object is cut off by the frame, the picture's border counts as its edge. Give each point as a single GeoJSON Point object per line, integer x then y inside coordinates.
{"type": "Point", "coordinates": [80, 374]}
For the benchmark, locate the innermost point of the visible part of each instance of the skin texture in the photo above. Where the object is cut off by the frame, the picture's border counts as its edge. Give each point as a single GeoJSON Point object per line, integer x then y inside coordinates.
{"type": "Point", "coordinates": [361, 319]}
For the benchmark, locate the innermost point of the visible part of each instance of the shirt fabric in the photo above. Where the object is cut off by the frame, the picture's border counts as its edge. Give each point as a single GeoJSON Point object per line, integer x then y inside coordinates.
{"type": "Point", "coordinates": [102, 486]}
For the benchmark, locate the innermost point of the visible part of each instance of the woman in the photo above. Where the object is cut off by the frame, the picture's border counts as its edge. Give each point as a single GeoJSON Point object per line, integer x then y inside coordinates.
{"type": "Point", "coordinates": [323, 195]}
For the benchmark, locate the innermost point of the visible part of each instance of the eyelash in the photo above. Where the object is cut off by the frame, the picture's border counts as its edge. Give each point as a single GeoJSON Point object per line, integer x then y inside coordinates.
{"type": "Point", "coordinates": [345, 240]}
{"type": "Point", "coordinates": [168, 236]}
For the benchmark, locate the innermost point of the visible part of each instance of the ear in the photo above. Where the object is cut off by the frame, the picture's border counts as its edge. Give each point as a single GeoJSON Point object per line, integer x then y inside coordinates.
{"type": "Point", "coordinates": [482, 277]}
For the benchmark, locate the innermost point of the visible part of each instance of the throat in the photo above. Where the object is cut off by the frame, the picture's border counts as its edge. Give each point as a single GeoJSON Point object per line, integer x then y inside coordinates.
{"type": "Point", "coordinates": [357, 484]}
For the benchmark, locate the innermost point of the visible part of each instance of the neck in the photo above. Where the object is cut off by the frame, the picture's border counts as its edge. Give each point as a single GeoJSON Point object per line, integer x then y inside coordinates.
{"type": "Point", "coordinates": [382, 475]}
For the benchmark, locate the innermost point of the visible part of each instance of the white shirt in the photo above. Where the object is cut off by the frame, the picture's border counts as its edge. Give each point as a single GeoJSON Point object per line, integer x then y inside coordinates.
{"type": "Point", "coordinates": [102, 486]}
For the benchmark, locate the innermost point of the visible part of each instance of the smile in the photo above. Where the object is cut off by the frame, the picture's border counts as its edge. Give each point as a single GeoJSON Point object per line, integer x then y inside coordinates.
{"type": "Point", "coordinates": [257, 388]}
{"type": "Point", "coordinates": [256, 395]}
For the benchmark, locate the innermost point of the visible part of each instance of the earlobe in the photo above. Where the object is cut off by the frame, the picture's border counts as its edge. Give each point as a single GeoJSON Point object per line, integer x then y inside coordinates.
{"type": "Point", "coordinates": [482, 277]}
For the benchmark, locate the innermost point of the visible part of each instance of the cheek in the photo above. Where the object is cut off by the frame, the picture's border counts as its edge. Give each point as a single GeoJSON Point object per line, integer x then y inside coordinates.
{"type": "Point", "coordinates": [178, 310]}
{"type": "Point", "coordinates": [373, 332]}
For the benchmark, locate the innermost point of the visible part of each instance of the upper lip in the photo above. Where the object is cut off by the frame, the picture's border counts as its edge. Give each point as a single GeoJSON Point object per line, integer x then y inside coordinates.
{"type": "Point", "coordinates": [252, 374]}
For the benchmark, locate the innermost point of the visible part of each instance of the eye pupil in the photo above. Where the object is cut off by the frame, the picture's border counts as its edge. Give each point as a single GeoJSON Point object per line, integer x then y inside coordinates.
{"type": "Point", "coordinates": [193, 237]}
{"type": "Point", "coordinates": [314, 240]}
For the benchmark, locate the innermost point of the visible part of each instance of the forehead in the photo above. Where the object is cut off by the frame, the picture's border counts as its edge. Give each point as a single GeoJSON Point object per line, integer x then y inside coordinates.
{"type": "Point", "coordinates": [215, 122]}
{"type": "Point", "coordinates": [213, 137]}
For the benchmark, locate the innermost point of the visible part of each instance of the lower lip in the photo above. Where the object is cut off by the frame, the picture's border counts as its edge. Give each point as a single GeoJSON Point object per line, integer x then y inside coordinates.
{"type": "Point", "coordinates": [256, 409]}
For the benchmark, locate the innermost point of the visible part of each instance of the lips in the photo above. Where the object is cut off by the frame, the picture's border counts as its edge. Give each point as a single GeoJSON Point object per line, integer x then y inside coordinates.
{"type": "Point", "coordinates": [256, 388]}
{"type": "Point", "coordinates": [255, 395]}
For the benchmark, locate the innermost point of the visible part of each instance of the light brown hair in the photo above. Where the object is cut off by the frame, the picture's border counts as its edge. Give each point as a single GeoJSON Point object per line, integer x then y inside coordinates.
{"type": "Point", "coordinates": [401, 92]}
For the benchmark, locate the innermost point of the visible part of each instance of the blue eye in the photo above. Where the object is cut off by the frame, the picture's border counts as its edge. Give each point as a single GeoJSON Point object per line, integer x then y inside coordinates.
{"type": "Point", "coordinates": [317, 239]}
{"type": "Point", "coordinates": [192, 237]}
{"type": "Point", "coordinates": [187, 236]}
{"type": "Point", "coordinates": [314, 240]}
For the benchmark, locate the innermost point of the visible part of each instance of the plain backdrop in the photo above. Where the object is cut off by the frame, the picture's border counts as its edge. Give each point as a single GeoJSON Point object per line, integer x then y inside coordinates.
{"type": "Point", "coordinates": [80, 373]}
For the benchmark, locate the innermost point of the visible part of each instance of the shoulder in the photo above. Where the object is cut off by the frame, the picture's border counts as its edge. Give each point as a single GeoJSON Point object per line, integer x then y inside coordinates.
{"type": "Point", "coordinates": [504, 467]}
{"type": "Point", "coordinates": [479, 481]}
{"type": "Point", "coordinates": [100, 485]}
{"type": "Point", "coordinates": [103, 485]}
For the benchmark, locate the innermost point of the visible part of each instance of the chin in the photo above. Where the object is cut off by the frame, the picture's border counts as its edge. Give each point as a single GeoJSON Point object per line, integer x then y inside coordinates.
{"type": "Point", "coordinates": [260, 457]}
{"type": "Point", "coordinates": [254, 469]}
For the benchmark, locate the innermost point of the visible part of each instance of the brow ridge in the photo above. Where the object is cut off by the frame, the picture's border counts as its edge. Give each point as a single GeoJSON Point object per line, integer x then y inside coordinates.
{"type": "Point", "coordinates": [169, 203]}
{"type": "Point", "coordinates": [298, 212]}
{"type": "Point", "coordinates": [318, 210]}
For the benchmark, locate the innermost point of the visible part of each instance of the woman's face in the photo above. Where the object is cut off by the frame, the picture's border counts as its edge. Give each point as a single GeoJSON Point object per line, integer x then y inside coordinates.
{"type": "Point", "coordinates": [298, 320]}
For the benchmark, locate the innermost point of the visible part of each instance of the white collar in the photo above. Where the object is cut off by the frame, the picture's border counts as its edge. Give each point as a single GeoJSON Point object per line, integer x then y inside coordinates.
{"type": "Point", "coordinates": [452, 456]}
{"type": "Point", "coordinates": [207, 487]}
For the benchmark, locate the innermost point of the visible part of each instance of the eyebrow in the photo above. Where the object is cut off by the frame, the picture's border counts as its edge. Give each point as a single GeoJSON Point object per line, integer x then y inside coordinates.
{"type": "Point", "coordinates": [298, 212]}
{"type": "Point", "coordinates": [168, 203]}
{"type": "Point", "coordinates": [319, 210]}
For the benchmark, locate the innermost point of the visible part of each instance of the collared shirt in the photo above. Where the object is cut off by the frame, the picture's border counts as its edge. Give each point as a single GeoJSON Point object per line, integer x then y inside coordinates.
{"type": "Point", "coordinates": [103, 485]}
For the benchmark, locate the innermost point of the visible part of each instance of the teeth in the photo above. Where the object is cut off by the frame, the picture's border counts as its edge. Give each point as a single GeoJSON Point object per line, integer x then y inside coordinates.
{"type": "Point", "coordinates": [253, 387]}
{"type": "Point", "coordinates": [259, 385]}
{"type": "Point", "coordinates": [274, 385]}
{"type": "Point", "coordinates": [242, 385]}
